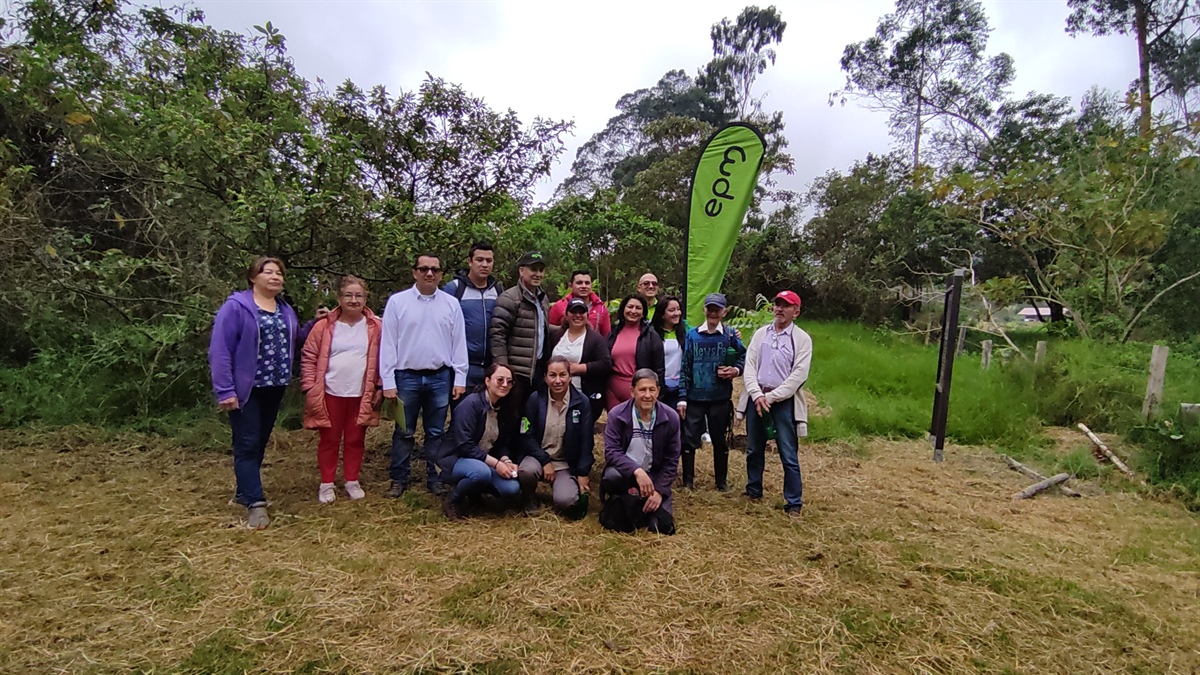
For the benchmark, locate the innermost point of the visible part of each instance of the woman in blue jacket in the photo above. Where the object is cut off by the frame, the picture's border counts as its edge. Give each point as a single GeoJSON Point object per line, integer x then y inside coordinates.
{"type": "Point", "coordinates": [250, 356]}
{"type": "Point", "coordinates": [476, 453]}
{"type": "Point", "coordinates": [556, 442]}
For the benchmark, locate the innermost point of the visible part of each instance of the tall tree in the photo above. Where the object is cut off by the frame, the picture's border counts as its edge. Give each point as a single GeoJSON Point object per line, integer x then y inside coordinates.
{"type": "Point", "coordinates": [1167, 35]}
{"type": "Point", "coordinates": [742, 50]}
{"type": "Point", "coordinates": [926, 66]}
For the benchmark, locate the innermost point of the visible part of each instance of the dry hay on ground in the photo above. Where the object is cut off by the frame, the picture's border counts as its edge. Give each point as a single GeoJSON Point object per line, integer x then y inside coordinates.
{"type": "Point", "coordinates": [122, 555]}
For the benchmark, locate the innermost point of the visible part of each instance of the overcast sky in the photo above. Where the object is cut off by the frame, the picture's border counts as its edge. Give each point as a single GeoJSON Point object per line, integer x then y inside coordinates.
{"type": "Point", "coordinates": [573, 60]}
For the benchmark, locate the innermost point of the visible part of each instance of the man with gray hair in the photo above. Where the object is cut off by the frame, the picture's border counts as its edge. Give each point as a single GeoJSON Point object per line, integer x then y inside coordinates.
{"type": "Point", "coordinates": [641, 456]}
{"type": "Point", "coordinates": [777, 365]}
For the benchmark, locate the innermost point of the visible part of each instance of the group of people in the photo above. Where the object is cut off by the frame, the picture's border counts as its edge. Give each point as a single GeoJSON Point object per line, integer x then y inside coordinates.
{"type": "Point", "coordinates": [524, 382]}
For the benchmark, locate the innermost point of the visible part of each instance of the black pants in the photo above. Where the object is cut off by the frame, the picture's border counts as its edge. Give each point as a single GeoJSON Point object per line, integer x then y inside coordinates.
{"type": "Point", "coordinates": [513, 407]}
{"type": "Point", "coordinates": [713, 416]}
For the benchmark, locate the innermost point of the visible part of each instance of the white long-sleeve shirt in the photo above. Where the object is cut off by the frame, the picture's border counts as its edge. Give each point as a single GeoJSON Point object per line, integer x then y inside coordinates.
{"type": "Point", "coordinates": [422, 332]}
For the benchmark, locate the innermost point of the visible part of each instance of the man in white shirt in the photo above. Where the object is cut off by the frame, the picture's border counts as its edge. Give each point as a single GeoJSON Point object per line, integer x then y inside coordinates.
{"type": "Point", "coordinates": [777, 365]}
{"type": "Point", "coordinates": [423, 362]}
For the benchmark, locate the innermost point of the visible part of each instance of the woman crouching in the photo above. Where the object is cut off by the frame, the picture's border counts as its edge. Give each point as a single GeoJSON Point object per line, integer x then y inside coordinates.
{"type": "Point", "coordinates": [475, 454]}
{"type": "Point", "coordinates": [556, 443]}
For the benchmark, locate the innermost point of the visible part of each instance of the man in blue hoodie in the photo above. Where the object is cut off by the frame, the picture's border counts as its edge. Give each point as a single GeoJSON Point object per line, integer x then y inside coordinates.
{"type": "Point", "coordinates": [476, 290]}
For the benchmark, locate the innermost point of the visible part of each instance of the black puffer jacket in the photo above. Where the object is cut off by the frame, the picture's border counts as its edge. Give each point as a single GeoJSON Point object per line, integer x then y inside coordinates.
{"type": "Point", "coordinates": [514, 331]}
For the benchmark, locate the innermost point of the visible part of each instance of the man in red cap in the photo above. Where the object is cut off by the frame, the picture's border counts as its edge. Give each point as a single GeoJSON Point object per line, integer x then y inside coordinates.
{"type": "Point", "coordinates": [777, 364]}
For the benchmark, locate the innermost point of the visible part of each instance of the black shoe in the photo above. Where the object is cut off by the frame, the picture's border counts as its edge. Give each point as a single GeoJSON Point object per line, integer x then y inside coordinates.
{"type": "Point", "coordinates": [396, 490]}
{"type": "Point", "coordinates": [450, 509]}
{"type": "Point", "coordinates": [753, 498]}
{"type": "Point", "coordinates": [792, 512]}
{"type": "Point", "coordinates": [722, 487]}
{"type": "Point", "coordinates": [438, 488]}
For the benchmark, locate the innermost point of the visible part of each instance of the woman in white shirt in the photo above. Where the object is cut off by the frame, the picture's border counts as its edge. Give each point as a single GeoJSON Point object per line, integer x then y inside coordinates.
{"type": "Point", "coordinates": [587, 353]}
{"type": "Point", "coordinates": [339, 373]}
{"type": "Point", "coordinates": [670, 325]}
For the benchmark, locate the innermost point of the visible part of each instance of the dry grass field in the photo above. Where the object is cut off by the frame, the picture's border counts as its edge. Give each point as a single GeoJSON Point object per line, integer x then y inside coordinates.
{"type": "Point", "coordinates": [120, 555]}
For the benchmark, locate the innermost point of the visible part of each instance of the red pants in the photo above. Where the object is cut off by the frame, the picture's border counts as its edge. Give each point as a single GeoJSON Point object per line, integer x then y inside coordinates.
{"type": "Point", "coordinates": [343, 418]}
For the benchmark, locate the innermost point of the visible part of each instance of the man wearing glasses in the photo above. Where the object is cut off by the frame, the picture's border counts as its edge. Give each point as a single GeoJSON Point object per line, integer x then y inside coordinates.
{"type": "Point", "coordinates": [777, 364]}
{"type": "Point", "coordinates": [520, 331]}
{"type": "Point", "coordinates": [648, 287]}
{"type": "Point", "coordinates": [423, 362]}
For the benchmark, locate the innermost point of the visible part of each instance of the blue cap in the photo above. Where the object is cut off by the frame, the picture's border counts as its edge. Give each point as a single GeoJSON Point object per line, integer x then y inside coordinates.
{"type": "Point", "coordinates": [716, 299]}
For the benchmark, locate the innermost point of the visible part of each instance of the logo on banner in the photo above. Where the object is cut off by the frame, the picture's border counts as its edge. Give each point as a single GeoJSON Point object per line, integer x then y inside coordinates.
{"type": "Point", "coordinates": [721, 186]}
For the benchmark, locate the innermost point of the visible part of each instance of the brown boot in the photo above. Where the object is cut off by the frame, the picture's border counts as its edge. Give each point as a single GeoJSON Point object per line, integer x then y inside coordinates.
{"type": "Point", "coordinates": [450, 508]}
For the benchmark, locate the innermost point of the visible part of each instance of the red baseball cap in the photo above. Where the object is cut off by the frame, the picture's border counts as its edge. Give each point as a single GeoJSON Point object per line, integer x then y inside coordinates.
{"type": "Point", "coordinates": [789, 297]}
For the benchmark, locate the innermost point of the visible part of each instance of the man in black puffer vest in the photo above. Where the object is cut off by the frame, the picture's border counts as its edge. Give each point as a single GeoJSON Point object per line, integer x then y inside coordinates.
{"type": "Point", "coordinates": [520, 333]}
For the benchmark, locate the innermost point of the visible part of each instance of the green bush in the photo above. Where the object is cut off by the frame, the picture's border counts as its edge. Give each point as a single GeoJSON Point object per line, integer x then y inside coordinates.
{"type": "Point", "coordinates": [1170, 454]}
{"type": "Point", "coordinates": [116, 375]}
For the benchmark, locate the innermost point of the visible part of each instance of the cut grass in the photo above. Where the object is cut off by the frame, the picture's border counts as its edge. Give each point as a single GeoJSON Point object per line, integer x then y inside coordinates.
{"type": "Point", "coordinates": [123, 557]}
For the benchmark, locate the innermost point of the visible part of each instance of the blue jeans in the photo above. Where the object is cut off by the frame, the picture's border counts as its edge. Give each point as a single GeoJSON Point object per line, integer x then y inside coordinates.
{"type": "Point", "coordinates": [251, 424]}
{"type": "Point", "coordinates": [424, 394]}
{"type": "Point", "coordinates": [472, 476]}
{"type": "Point", "coordinates": [474, 380]}
{"type": "Point", "coordinates": [789, 452]}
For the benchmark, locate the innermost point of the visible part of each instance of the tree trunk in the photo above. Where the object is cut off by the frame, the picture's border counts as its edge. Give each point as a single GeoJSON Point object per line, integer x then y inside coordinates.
{"type": "Point", "coordinates": [1056, 312]}
{"type": "Point", "coordinates": [1139, 25]}
{"type": "Point", "coordinates": [920, 99]}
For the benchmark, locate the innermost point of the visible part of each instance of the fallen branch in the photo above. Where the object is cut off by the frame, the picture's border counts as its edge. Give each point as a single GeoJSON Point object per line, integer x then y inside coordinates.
{"type": "Point", "coordinates": [1042, 485]}
{"type": "Point", "coordinates": [1022, 469]}
{"type": "Point", "coordinates": [1103, 450]}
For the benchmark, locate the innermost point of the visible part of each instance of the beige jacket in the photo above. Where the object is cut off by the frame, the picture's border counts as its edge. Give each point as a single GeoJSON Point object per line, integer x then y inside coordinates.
{"type": "Point", "coordinates": [791, 387]}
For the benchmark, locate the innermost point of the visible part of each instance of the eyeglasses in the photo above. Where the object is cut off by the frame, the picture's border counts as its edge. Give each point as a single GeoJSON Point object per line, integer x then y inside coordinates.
{"type": "Point", "coordinates": [502, 380]}
{"type": "Point", "coordinates": [649, 283]}
{"type": "Point", "coordinates": [428, 270]}
{"type": "Point", "coordinates": [354, 296]}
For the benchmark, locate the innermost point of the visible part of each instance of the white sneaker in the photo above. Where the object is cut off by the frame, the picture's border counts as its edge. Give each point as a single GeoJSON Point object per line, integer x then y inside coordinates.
{"type": "Point", "coordinates": [354, 490]}
{"type": "Point", "coordinates": [325, 493]}
{"type": "Point", "coordinates": [705, 438]}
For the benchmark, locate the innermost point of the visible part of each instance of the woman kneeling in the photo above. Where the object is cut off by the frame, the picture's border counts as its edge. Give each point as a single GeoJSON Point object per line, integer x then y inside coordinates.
{"type": "Point", "coordinates": [556, 443]}
{"type": "Point", "coordinates": [475, 454]}
{"type": "Point", "coordinates": [641, 454]}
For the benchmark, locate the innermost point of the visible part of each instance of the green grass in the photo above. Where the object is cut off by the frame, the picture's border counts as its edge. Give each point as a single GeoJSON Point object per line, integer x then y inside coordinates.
{"type": "Point", "coordinates": [880, 384]}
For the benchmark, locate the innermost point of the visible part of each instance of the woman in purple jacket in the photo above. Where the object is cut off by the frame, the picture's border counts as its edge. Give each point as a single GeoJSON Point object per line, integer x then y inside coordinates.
{"type": "Point", "coordinates": [251, 355]}
{"type": "Point", "coordinates": [641, 457]}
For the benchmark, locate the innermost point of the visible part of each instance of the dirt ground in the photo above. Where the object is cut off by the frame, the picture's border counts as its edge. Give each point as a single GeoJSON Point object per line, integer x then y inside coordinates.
{"type": "Point", "coordinates": [120, 554]}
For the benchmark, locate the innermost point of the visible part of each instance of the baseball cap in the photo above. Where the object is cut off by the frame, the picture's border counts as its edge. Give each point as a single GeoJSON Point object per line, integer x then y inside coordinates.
{"type": "Point", "coordinates": [530, 259]}
{"type": "Point", "coordinates": [789, 297]}
{"type": "Point", "coordinates": [576, 305]}
{"type": "Point", "coordinates": [717, 299]}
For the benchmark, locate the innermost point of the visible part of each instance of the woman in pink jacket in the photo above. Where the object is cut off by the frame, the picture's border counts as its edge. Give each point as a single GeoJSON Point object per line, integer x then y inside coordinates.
{"type": "Point", "coordinates": [339, 373]}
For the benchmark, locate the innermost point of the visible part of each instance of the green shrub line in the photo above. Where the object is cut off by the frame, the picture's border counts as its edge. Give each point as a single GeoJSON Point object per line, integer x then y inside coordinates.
{"type": "Point", "coordinates": [868, 382]}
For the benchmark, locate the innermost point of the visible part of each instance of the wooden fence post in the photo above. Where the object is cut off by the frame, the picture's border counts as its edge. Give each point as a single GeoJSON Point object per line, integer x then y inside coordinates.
{"type": "Point", "coordinates": [1154, 386]}
{"type": "Point", "coordinates": [962, 340]}
{"type": "Point", "coordinates": [1040, 354]}
{"type": "Point", "coordinates": [987, 354]}
{"type": "Point", "coordinates": [1189, 414]}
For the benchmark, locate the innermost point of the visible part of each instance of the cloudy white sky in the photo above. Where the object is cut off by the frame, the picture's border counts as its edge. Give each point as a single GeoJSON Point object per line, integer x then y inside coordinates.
{"type": "Point", "coordinates": [573, 60]}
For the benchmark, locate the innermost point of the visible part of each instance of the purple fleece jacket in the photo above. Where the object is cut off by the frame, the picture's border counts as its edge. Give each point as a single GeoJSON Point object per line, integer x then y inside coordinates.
{"type": "Point", "coordinates": [233, 349]}
{"type": "Point", "coordinates": [664, 460]}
